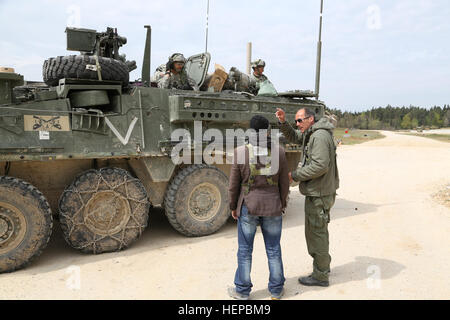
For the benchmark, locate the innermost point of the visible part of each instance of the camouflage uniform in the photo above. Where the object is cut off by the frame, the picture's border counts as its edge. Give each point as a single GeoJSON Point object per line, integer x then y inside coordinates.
{"type": "Point", "coordinates": [159, 73]}
{"type": "Point", "coordinates": [257, 80]}
{"type": "Point", "coordinates": [177, 81]}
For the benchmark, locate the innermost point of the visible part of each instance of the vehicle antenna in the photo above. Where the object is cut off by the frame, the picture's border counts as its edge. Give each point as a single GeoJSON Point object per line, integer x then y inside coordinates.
{"type": "Point", "coordinates": [207, 18]}
{"type": "Point", "coordinates": [147, 56]}
{"type": "Point", "coordinates": [319, 53]}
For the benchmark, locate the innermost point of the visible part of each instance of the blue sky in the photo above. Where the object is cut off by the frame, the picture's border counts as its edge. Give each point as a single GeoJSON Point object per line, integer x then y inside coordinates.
{"type": "Point", "coordinates": [375, 52]}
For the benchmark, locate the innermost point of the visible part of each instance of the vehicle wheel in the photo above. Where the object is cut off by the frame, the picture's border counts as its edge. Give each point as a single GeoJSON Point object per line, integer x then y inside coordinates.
{"type": "Point", "coordinates": [74, 66]}
{"type": "Point", "coordinates": [25, 223]}
{"type": "Point", "coordinates": [196, 201]}
{"type": "Point", "coordinates": [103, 210]}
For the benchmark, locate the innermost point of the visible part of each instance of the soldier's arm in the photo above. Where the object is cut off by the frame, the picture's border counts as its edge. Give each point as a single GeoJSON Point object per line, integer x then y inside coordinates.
{"type": "Point", "coordinates": [319, 161]}
{"type": "Point", "coordinates": [164, 82]}
{"type": "Point", "coordinates": [193, 84]}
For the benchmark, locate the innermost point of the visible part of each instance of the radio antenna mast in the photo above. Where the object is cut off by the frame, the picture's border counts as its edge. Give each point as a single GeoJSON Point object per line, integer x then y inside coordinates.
{"type": "Point", "coordinates": [207, 21]}
{"type": "Point", "coordinates": [319, 53]}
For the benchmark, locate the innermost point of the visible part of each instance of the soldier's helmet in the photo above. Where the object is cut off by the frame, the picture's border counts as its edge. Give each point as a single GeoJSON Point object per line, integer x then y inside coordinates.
{"type": "Point", "coordinates": [176, 57]}
{"type": "Point", "coordinates": [258, 63]}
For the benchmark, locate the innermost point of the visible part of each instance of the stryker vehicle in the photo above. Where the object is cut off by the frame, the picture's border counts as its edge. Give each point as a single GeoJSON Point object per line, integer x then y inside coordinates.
{"type": "Point", "coordinates": [94, 149]}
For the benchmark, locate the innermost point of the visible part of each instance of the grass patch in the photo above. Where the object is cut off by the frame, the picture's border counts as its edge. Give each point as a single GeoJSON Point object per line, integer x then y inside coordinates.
{"type": "Point", "coordinates": [356, 136]}
{"type": "Point", "coordinates": [436, 136]}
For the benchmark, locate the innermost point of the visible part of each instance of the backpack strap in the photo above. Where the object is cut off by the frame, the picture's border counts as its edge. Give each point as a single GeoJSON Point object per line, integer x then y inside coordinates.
{"type": "Point", "coordinates": [254, 172]}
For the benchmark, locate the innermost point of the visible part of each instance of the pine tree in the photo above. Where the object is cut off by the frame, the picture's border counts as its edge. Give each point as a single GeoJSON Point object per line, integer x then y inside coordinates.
{"type": "Point", "coordinates": [406, 122]}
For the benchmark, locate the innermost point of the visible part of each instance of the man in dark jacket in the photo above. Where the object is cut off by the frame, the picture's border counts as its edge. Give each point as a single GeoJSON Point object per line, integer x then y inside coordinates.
{"type": "Point", "coordinates": [319, 180]}
{"type": "Point", "coordinates": [258, 195]}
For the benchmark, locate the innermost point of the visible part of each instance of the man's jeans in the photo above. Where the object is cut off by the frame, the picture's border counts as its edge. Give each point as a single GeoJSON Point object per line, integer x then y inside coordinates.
{"type": "Point", "coordinates": [271, 230]}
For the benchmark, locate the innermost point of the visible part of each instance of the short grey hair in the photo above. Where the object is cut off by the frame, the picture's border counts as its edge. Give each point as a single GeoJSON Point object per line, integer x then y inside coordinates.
{"type": "Point", "coordinates": [309, 113]}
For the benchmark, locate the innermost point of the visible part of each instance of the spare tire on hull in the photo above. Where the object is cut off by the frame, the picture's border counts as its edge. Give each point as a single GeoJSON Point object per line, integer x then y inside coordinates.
{"type": "Point", "coordinates": [83, 67]}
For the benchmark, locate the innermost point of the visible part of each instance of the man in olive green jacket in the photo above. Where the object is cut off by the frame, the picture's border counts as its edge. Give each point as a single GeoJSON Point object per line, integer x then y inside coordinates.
{"type": "Point", "coordinates": [319, 179]}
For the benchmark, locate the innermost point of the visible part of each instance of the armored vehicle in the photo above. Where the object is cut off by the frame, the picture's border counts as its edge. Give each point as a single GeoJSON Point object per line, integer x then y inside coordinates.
{"type": "Point", "coordinates": [92, 149]}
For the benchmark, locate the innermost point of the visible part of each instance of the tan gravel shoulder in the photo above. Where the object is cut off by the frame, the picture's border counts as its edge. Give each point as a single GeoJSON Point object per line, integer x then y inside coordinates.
{"type": "Point", "coordinates": [388, 240]}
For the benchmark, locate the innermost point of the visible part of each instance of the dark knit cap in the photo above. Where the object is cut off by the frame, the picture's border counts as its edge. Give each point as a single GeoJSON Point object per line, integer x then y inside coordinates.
{"type": "Point", "coordinates": [259, 122]}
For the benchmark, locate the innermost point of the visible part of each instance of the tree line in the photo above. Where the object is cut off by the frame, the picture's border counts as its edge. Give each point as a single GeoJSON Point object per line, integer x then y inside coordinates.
{"type": "Point", "coordinates": [394, 118]}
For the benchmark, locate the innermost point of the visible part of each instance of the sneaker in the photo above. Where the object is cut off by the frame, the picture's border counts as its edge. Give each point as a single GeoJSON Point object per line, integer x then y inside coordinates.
{"type": "Point", "coordinates": [236, 295]}
{"type": "Point", "coordinates": [310, 281]}
{"type": "Point", "coordinates": [277, 296]}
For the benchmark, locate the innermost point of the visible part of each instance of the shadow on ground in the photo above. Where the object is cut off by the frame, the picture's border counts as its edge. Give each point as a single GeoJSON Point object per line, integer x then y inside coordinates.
{"type": "Point", "coordinates": [160, 234]}
{"type": "Point", "coordinates": [362, 269]}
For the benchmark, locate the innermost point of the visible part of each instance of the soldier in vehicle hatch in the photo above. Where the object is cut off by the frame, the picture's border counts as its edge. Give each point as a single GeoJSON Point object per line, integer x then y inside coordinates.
{"type": "Point", "coordinates": [175, 76]}
{"type": "Point", "coordinates": [258, 75]}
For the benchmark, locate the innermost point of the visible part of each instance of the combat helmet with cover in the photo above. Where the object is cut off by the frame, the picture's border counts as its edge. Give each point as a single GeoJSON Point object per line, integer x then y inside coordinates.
{"type": "Point", "coordinates": [258, 63]}
{"type": "Point", "coordinates": [176, 57]}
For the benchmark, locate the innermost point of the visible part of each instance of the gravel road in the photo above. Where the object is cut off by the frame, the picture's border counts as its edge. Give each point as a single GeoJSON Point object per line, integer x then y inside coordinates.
{"type": "Point", "coordinates": [388, 238]}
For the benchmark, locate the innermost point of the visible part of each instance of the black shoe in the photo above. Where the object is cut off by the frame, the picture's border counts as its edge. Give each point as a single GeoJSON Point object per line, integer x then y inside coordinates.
{"type": "Point", "coordinates": [310, 281]}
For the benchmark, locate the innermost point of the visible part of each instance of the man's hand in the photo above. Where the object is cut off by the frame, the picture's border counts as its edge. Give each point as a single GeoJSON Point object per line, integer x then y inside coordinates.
{"type": "Point", "coordinates": [290, 178]}
{"type": "Point", "coordinates": [234, 214]}
{"type": "Point", "coordinates": [281, 115]}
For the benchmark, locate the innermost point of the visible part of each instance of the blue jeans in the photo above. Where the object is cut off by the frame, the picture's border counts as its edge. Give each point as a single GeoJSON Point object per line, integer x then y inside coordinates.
{"type": "Point", "coordinates": [271, 229]}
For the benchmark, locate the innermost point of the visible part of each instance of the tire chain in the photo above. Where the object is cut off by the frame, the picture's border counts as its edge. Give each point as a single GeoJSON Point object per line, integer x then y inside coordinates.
{"type": "Point", "coordinates": [65, 219]}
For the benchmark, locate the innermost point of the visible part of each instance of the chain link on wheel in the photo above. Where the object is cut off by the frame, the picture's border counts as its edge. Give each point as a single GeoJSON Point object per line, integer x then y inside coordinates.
{"type": "Point", "coordinates": [104, 210]}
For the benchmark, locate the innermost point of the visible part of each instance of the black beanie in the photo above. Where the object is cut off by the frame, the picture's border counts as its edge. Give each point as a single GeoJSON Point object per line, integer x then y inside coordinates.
{"type": "Point", "coordinates": [259, 122]}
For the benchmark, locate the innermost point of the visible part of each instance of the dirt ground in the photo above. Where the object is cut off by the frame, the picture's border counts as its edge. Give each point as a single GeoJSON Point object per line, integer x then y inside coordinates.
{"type": "Point", "coordinates": [388, 239]}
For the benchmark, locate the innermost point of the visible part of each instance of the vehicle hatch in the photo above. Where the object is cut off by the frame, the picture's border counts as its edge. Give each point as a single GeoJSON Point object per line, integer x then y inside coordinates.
{"type": "Point", "coordinates": [197, 67]}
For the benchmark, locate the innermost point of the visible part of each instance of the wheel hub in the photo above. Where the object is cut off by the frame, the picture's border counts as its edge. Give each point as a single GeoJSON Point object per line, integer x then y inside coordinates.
{"type": "Point", "coordinates": [204, 201]}
{"type": "Point", "coordinates": [12, 227]}
{"type": "Point", "coordinates": [107, 213]}
{"type": "Point", "coordinates": [5, 226]}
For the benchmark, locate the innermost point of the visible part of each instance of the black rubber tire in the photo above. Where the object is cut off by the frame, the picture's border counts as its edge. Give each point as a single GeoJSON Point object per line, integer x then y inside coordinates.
{"type": "Point", "coordinates": [35, 212]}
{"type": "Point", "coordinates": [74, 66]}
{"type": "Point", "coordinates": [177, 205]}
{"type": "Point", "coordinates": [84, 229]}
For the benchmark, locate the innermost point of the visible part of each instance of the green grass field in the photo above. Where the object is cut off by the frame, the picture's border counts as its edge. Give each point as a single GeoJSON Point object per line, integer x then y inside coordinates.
{"type": "Point", "coordinates": [356, 136]}
{"type": "Point", "coordinates": [436, 136]}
